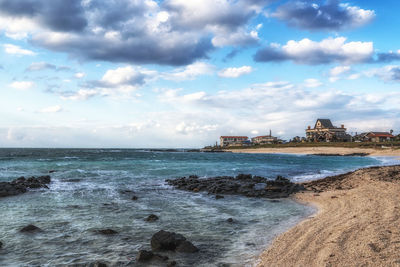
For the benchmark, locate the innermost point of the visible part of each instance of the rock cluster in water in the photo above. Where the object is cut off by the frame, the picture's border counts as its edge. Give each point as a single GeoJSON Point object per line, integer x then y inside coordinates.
{"type": "Point", "coordinates": [166, 241]}
{"type": "Point", "coordinates": [22, 184]}
{"type": "Point", "coordinates": [243, 184]}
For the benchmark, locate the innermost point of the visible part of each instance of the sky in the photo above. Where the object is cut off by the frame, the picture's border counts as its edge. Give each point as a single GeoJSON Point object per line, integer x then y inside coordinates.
{"type": "Point", "coordinates": [178, 73]}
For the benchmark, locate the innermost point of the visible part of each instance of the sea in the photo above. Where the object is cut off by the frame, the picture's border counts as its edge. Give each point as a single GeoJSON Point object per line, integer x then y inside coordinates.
{"type": "Point", "coordinates": [92, 189]}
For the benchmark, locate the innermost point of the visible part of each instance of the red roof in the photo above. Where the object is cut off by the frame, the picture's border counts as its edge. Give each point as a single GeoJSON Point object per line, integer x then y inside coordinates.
{"type": "Point", "coordinates": [234, 137]}
{"type": "Point", "coordinates": [372, 134]}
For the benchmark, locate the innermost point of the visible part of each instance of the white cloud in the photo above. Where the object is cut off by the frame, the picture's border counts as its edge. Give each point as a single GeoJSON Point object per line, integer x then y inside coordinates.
{"type": "Point", "coordinates": [16, 50]}
{"type": "Point", "coordinates": [312, 83]}
{"type": "Point", "coordinates": [51, 109]}
{"type": "Point", "coordinates": [17, 28]}
{"type": "Point", "coordinates": [235, 72]}
{"type": "Point", "coordinates": [354, 76]}
{"type": "Point", "coordinates": [389, 73]}
{"type": "Point", "coordinates": [239, 38]}
{"type": "Point", "coordinates": [336, 71]}
{"type": "Point", "coordinates": [22, 85]}
{"type": "Point", "coordinates": [326, 51]}
{"type": "Point", "coordinates": [80, 75]}
{"type": "Point", "coordinates": [81, 94]}
{"type": "Point", "coordinates": [189, 72]}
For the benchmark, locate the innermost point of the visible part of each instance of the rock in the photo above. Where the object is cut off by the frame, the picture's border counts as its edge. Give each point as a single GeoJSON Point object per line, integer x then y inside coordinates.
{"type": "Point", "coordinates": [74, 180]}
{"type": "Point", "coordinates": [243, 176]}
{"type": "Point", "coordinates": [144, 255]}
{"type": "Point", "coordinates": [20, 185]}
{"type": "Point", "coordinates": [229, 220]}
{"type": "Point", "coordinates": [163, 240]}
{"type": "Point", "coordinates": [107, 232]}
{"type": "Point", "coordinates": [187, 247]}
{"type": "Point", "coordinates": [134, 198]}
{"type": "Point", "coordinates": [242, 184]}
{"type": "Point", "coordinates": [51, 171]}
{"type": "Point", "coordinates": [152, 218]}
{"type": "Point", "coordinates": [219, 197]}
{"type": "Point", "coordinates": [30, 229]}
{"type": "Point", "coordinates": [97, 264]}
{"type": "Point", "coordinates": [127, 191]}
{"type": "Point", "coordinates": [160, 257]}
{"type": "Point", "coordinates": [1, 244]}
{"type": "Point", "coordinates": [171, 263]}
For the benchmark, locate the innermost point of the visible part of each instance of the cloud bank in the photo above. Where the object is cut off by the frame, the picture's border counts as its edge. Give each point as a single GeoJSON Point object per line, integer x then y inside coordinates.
{"type": "Point", "coordinates": [171, 32]}
{"type": "Point", "coordinates": [310, 52]}
{"type": "Point", "coordinates": [331, 15]}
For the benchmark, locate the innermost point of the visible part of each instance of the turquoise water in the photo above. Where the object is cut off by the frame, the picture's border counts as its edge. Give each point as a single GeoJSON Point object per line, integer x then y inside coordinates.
{"type": "Point", "coordinates": [86, 194]}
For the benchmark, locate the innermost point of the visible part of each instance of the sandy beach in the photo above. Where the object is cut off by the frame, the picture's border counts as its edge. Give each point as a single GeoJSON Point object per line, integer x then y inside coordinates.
{"type": "Point", "coordinates": [357, 223]}
{"type": "Point", "coordinates": [322, 150]}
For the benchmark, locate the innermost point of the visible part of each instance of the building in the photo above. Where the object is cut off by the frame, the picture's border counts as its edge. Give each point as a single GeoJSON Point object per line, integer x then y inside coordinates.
{"type": "Point", "coordinates": [378, 136]}
{"type": "Point", "coordinates": [233, 140]}
{"type": "Point", "coordinates": [324, 131]}
{"type": "Point", "coordinates": [265, 139]}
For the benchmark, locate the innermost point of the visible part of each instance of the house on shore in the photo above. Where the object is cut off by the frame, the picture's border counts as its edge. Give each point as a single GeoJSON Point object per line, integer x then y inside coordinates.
{"type": "Point", "coordinates": [375, 137]}
{"type": "Point", "coordinates": [265, 139]}
{"type": "Point", "coordinates": [324, 131]}
{"type": "Point", "coordinates": [234, 141]}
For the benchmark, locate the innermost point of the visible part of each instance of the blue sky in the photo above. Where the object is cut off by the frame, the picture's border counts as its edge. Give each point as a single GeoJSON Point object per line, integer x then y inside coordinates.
{"type": "Point", "coordinates": [177, 73]}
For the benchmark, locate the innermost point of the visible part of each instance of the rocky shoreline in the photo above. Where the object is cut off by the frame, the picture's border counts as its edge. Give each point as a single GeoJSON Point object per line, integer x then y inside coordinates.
{"type": "Point", "coordinates": [243, 184]}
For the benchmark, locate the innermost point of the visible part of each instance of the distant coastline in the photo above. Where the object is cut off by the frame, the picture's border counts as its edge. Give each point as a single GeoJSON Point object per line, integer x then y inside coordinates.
{"type": "Point", "coordinates": [321, 150]}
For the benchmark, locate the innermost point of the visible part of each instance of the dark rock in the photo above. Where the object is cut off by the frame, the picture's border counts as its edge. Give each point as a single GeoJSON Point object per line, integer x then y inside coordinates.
{"type": "Point", "coordinates": [134, 198]}
{"type": "Point", "coordinates": [127, 192]}
{"type": "Point", "coordinates": [244, 177]}
{"type": "Point", "coordinates": [97, 264]}
{"type": "Point", "coordinates": [187, 247]}
{"type": "Point", "coordinates": [20, 185]}
{"type": "Point", "coordinates": [51, 171]}
{"type": "Point", "coordinates": [219, 197]}
{"type": "Point", "coordinates": [164, 240]}
{"type": "Point", "coordinates": [30, 229]}
{"type": "Point", "coordinates": [152, 218]}
{"type": "Point", "coordinates": [1, 244]}
{"type": "Point", "coordinates": [144, 255]}
{"type": "Point", "coordinates": [171, 263]}
{"type": "Point", "coordinates": [160, 257]}
{"type": "Point", "coordinates": [242, 184]}
{"type": "Point", "coordinates": [74, 180]}
{"type": "Point", "coordinates": [229, 220]}
{"type": "Point", "coordinates": [107, 232]}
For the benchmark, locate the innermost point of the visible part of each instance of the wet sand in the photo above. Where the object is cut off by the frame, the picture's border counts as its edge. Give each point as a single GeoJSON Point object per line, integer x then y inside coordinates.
{"type": "Point", "coordinates": [322, 150]}
{"type": "Point", "coordinates": [357, 223]}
